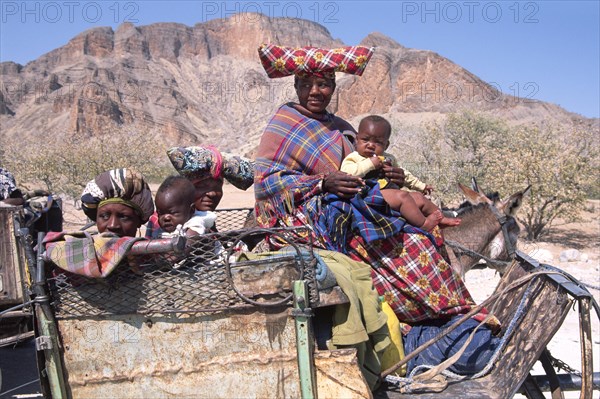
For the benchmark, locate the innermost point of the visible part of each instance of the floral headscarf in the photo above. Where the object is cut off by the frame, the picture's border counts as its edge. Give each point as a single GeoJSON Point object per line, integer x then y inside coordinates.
{"type": "Point", "coordinates": [202, 162]}
{"type": "Point", "coordinates": [8, 186]}
{"type": "Point", "coordinates": [281, 61]}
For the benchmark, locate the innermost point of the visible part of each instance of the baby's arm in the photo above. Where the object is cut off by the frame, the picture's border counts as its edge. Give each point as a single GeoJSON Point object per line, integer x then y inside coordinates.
{"type": "Point", "coordinates": [191, 233]}
{"type": "Point", "coordinates": [412, 182]}
{"type": "Point", "coordinates": [359, 166]}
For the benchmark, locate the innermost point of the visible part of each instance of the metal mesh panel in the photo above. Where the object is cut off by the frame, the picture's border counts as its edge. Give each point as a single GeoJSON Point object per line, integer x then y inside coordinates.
{"type": "Point", "coordinates": [201, 280]}
{"type": "Point", "coordinates": [234, 218]}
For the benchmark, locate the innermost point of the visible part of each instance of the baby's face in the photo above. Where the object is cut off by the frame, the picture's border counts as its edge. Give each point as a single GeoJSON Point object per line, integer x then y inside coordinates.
{"type": "Point", "coordinates": [172, 211]}
{"type": "Point", "coordinates": [372, 139]}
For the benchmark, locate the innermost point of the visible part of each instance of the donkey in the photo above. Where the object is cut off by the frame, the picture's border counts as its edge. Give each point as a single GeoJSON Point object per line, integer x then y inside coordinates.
{"type": "Point", "coordinates": [488, 230]}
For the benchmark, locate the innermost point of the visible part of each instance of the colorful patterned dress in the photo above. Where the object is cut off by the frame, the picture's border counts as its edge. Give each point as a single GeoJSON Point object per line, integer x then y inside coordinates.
{"type": "Point", "coordinates": [295, 153]}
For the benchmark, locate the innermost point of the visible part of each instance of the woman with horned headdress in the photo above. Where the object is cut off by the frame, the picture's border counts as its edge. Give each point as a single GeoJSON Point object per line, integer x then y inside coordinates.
{"type": "Point", "coordinates": [298, 182]}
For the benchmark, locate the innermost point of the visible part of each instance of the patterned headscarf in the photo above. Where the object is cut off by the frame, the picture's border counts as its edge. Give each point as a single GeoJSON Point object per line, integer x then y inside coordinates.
{"type": "Point", "coordinates": [8, 186]}
{"type": "Point", "coordinates": [120, 186]}
{"type": "Point", "coordinates": [305, 61]}
{"type": "Point", "coordinates": [204, 162]}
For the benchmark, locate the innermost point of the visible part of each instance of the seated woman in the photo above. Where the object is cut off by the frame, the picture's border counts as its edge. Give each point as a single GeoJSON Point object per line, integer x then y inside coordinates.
{"type": "Point", "coordinates": [298, 182]}
{"type": "Point", "coordinates": [119, 201]}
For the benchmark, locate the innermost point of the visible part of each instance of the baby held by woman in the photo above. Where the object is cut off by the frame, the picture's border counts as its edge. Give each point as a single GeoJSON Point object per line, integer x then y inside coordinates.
{"type": "Point", "coordinates": [367, 162]}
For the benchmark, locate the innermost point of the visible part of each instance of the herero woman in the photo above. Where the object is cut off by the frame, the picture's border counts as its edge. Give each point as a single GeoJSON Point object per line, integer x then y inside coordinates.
{"type": "Point", "coordinates": [298, 182]}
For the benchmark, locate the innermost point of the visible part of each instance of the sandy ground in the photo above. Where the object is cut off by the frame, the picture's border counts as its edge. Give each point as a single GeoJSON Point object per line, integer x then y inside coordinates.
{"type": "Point", "coordinates": [583, 236]}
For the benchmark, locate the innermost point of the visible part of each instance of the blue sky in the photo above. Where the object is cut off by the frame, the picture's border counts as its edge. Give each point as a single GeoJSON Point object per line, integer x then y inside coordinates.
{"type": "Point", "coordinates": [544, 50]}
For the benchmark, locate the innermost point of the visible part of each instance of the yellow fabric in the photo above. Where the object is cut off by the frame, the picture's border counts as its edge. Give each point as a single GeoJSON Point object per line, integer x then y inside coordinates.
{"type": "Point", "coordinates": [395, 351]}
{"type": "Point", "coordinates": [411, 182]}
{"type": "Point", "coordinates": [357, 165]}
{"type": "Point", "coordinates": [361, 323]}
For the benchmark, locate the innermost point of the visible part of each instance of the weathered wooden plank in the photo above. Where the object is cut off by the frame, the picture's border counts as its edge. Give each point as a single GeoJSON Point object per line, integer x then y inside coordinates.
{"type": "Point", "coordinates": [546, 307]}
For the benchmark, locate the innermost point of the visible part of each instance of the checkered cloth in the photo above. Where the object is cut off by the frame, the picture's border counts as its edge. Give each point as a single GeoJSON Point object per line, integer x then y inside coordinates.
{"type": "Point", "coordinates": [90, 255]}
{"type": "Point", "coordinates": [285, 61]}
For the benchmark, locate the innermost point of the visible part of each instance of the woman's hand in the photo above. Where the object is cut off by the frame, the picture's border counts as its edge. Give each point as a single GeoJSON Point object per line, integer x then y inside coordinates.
{"type": "Point", "coordinates": [342, 184]}
{"type": "Point", "coordinates": [395, 175]}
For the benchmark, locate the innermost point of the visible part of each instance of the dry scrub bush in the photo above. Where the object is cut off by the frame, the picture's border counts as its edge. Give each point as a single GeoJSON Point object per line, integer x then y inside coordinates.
{"type": "Point", "coordinates": [66, 165]}
{"type": "Point", "coordinates": [560, 164]}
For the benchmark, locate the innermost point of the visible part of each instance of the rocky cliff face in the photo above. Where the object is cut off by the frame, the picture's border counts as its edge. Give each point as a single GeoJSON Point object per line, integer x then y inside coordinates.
{"type": "Point", "coordinates": [205, 84]}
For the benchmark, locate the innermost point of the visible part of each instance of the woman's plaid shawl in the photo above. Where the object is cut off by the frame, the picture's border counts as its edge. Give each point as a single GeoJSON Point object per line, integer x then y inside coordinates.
{"type": "Point", "coordinates": [294, 154]}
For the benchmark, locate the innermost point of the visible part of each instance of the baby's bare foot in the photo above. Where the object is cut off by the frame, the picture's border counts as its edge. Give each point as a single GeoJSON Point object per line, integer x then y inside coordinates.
{"type": "Point", "coordinates": [449, 222]}
{"type": "Point", "coordinates": [432, 220]}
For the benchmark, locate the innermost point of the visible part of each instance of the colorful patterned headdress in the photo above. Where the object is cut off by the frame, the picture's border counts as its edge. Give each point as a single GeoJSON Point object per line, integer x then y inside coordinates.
{"type": "Point", "coordinates": [122, 186]}
{"type": "Point", "coordinates": [204, 162]}
{"type": "Point", "coordinates": [306, 61]}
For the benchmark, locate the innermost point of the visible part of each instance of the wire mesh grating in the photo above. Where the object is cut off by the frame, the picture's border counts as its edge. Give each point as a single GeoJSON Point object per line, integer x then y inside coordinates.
{"type": "Point", "coordinates": [197, 281]}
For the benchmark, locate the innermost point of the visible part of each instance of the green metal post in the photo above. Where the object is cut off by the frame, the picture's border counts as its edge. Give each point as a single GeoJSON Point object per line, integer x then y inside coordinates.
{"type": "Point", "coordinates": [304, 341]}
{"type": "Point", "coordinates": [48, 340]}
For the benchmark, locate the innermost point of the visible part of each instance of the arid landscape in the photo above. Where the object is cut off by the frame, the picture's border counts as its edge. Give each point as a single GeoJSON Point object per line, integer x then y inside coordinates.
{"type": "Point", "coordinates": [204, 84]}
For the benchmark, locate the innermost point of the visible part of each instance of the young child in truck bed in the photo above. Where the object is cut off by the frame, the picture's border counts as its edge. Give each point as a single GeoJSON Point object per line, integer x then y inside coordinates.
{"type": "Point", "coordinates": [176, 211]}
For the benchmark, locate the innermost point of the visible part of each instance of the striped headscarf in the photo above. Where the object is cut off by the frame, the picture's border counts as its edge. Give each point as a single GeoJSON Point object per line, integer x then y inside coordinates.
{"type": "Point", "coordinates": [118, 186]}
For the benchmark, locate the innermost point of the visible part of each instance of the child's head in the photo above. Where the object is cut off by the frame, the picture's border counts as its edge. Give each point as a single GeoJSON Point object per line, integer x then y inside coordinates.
{"type": "Point", "coordinates": [174, 202]}
{"type": "Point", "coordinates": [209, 192]}
{"type": "Point", "coordinates": [373, 136]}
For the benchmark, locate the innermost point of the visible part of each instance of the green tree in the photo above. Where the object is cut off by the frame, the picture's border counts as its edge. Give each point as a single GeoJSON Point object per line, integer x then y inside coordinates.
{"type": "Point", "coordinates": [560, 165]}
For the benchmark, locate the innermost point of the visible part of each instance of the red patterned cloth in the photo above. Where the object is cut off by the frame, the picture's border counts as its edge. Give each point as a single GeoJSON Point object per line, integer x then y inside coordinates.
{"type": "Point", "coordinates": [413, 277]}
{"type": "Point", "coordinates": [285, 61]}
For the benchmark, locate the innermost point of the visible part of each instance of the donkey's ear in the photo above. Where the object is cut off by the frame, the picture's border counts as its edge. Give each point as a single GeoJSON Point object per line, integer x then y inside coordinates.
{"type": "Point", "coordinates": [475, 186]}
{"type": "Point", "coordinates": [511, 205]}
{"type": "Point", "coordinates": [472, 196]}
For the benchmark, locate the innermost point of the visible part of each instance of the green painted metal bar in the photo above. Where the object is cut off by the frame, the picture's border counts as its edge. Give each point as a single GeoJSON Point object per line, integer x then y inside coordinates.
{"type": "Point", "coordinates": [304, 341]}
{"type": "Point", "coordinates": [49, 344]}
{"type": "Point", "coordinates": [48, 340]}
{"type": "Point", "coordinates": [585, 335]}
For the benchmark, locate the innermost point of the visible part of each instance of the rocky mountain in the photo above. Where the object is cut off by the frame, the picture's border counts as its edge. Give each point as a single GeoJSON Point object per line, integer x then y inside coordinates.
{"type": "Point", "coordinates": [205, 84]}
